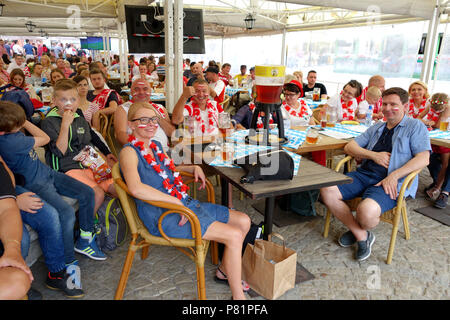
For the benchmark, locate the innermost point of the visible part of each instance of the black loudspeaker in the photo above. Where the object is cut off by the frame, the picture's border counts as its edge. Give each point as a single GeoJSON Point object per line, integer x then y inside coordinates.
{"type": "Point", "coordinates": [145, 30]}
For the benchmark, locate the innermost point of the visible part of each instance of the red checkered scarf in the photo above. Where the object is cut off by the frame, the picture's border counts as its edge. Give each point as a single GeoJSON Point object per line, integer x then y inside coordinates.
{"type": "Point", "coordinates": [101, 99]}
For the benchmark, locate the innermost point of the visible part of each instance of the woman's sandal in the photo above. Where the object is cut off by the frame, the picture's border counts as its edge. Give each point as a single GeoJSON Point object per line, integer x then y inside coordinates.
{"type": "Point", "coordinates": [245, 286]}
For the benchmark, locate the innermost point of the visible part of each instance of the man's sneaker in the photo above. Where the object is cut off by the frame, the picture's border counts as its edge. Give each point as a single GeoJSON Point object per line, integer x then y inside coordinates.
{"type": "Point", "coordinates": [65, 284]}
{"type": "Point", "coordinates": [89, 249]}
{"type": "Point", "coordinates": [365, 247]}
{"type": "Point", "coordinates": [441, 201]}
{"type": "Point", "coordinates": [347, 239]}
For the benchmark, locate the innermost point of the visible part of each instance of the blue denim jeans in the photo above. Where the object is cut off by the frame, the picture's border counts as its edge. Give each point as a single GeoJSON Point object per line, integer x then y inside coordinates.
{"type": "Point", "coordinates": [63, 185]}
{"type": "Point", "coordinates": [435, 166]}
{"type": "Point", "coordinates": [48, 227]}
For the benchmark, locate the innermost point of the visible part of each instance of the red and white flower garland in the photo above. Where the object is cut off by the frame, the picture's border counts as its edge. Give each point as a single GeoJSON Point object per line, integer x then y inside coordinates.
{"type": "Point", "coordinates": [412, 108]}
{"type": "Point", "coordinates": [171, 188]}
{"type": "Point", "coordinates": [302, 113]}
{"type": "Point", "coordinates": [213, 120]}
{"type": "Point", "coordinates": [347, 110]}
{"type": "Point", "coordinates": [259, 123]}
{"type": "Point", "coordinates": [433, 115]}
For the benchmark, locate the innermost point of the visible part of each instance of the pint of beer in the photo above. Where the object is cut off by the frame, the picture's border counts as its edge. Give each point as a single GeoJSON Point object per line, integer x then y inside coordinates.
{"type": "Point", "coordinates": [443, 126]}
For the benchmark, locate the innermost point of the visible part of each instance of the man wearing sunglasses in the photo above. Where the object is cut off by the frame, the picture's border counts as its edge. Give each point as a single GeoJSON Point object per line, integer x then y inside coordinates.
{"type": "Point", "coordinates": [141, 92]}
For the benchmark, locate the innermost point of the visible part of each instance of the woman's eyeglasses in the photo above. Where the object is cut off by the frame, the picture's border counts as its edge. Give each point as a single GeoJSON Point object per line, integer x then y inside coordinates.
{"type": "Point", "coordinates": [147, 120]}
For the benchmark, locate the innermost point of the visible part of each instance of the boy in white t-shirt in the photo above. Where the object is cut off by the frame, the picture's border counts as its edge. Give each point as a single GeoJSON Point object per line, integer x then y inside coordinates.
{"type": "Point", "coordinates": [372, 96]}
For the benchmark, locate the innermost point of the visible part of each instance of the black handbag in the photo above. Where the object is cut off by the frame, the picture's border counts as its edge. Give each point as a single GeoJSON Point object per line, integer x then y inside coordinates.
{"type": "Point", "coordinates": [275, 164]}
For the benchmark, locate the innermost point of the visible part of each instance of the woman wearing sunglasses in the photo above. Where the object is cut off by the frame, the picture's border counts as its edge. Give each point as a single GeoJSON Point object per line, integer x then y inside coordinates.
{"type": "Point", "coordinates": [151, 175]}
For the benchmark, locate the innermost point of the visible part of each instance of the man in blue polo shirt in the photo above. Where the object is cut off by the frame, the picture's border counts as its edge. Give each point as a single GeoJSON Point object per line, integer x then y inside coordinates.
{"type": "Point", "coordinates": [390, 151]}
{"type": "Point", "coordinates": [29, 50]}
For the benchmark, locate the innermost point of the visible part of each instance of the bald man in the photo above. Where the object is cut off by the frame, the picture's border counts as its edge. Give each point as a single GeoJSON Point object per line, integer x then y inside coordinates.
{"type": "Point", "coordinates": [197, 73]}
{"type": "Point", "coordinates": [141, 92]}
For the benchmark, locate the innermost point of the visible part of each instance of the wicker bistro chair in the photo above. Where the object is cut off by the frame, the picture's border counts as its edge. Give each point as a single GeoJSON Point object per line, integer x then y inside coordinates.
{"type": "Point", "coordinates": [107, 132]}
{"type": "Point", "coordinates": [142, 239]}
{"type": "Point", "coordinates": [392, 216]}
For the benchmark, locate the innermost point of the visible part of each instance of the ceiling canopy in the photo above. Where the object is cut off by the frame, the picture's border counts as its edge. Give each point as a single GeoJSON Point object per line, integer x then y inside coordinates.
{"type": "Point", "coordinates": [221, 17]}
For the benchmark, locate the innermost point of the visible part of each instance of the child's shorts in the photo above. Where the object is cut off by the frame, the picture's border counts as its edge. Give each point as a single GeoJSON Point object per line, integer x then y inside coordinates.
{"type": "Point", "coordinates": [87, 177]}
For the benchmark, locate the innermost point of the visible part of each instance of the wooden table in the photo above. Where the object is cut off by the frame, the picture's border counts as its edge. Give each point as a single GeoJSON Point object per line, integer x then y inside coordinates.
{"type": "Point", "coordinates": [441, 142]}
{"type": "Point", "coordinates": [310, 176]}
{"type": "Point", "coordinates": [324, 143]}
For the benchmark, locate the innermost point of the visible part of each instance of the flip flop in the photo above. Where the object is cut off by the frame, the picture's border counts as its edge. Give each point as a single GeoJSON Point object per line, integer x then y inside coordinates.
{"type": "Point", "coordinates": [245, 286]}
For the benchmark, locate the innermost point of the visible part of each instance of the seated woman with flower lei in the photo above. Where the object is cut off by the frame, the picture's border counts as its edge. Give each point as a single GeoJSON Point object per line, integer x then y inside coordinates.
{"type": "Point", "coordinates": [151, 175]}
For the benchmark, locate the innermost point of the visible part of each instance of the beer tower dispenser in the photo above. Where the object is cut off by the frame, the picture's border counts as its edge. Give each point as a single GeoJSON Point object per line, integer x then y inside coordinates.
{"type": "Point", "coordinates": [269, 81]}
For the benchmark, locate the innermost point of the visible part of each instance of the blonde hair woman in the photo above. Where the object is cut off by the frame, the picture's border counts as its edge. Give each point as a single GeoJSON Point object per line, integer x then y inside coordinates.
{"type": "Point", "coordinates": [47, 66]}
{"type": "Point", "coordinates": [418, 99]}
{"type": "Point", "coordinates": [299, 76]}
{"type": "Point", "coordinates": [151, 175]}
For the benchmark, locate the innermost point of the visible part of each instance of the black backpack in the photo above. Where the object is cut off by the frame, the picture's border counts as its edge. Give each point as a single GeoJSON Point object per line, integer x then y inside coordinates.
{"type": "Point", "coordinates": [112, 225]}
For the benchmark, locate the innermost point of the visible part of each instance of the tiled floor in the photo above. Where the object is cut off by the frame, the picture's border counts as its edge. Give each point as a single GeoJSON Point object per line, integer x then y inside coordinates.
{"type": "Point", "coordinates": [419, 270]}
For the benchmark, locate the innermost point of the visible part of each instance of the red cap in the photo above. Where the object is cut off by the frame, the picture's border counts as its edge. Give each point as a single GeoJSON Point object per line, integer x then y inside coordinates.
{"type": "Point", "coordinates": [298, 84]}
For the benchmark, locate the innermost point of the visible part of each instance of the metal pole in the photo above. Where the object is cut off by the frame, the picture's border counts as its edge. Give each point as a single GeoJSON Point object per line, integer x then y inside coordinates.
{"type": "Point", "coordinates": [430, 47]}
{"type": "Point", "coordinates": [169, 53]}
{"type": "Point", "coordinates": [221, 58]}
{"type": "Point", "coordinates": [108, 49]}
{"type": "Point", "coordinates": [178, 51]}
{"type": "Point", "coordinates": [104, 43]}
{"type": "Point", "coordinates": [121, 55]}
{"type": "Point", "coordinates": [125, 45]}
{"type": "Point", "coordinates": [283, 48]}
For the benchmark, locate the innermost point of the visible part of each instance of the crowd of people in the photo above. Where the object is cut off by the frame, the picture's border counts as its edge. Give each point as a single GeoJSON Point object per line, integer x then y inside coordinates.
{"type": "Point", "coordinates": [395, 145]}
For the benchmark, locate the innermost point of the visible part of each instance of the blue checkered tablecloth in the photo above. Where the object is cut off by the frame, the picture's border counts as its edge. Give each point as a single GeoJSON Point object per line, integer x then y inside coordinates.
{"type": "Point", "coordinates": [347, 131]}
{"type": "Point", "coordinates": [240, 150]}
{"type": "Point", "coordinates": [295, 137]}
{"type": "Point", "coordinates": [243, 150]}
{"type": "Point", "coordinates": [229, 91]}
{"type": "Point", "coordinates": [313, 104]}
{"type": "Point", "coordinates": [438, 134]}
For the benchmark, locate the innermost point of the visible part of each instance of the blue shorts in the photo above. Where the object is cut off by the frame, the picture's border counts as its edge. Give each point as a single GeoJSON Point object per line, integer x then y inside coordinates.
{"type": "Point", "coordinates": [363, 186]}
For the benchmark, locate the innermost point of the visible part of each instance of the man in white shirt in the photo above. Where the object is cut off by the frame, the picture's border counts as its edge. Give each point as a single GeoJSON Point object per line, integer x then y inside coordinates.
{"type": "Point", "coordinates": [16, 48]}
{"type": "Point", "coordinates": [205, 111]}
{"type": "Point", "coordinates": [142, 73]}
{"type": "Point", "coordinates": [18, 62]}
{"type": "Point", "coordinates": [216, 86]}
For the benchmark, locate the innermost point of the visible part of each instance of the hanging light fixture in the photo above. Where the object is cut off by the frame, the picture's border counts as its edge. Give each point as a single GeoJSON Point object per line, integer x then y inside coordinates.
{"type": "Point", "coordinates": [1, 8]}
{"type": "Point", "coordinates": [42, 33]}
{"type": "Point", "coordinates": [249, 21]}
{"type": "Point", "coordinates": [30, 26]}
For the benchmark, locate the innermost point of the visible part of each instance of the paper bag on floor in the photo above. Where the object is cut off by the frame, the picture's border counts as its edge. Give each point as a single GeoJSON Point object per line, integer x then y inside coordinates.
{"type": "Point", "coordinates": [269, 268]}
